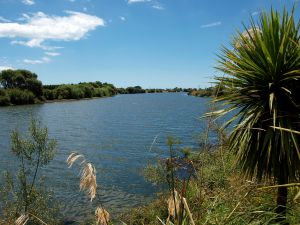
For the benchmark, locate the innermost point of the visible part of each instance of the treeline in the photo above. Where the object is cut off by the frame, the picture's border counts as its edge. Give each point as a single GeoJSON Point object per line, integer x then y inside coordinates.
{"type": "Point", "coordinates": [18, 87]}
{"type": "Point", "coordinates": [78, 91]}
{"type": "Point", "coordinates": [214, 91]}
{"type": "Point", "coordinates": [140, 90]}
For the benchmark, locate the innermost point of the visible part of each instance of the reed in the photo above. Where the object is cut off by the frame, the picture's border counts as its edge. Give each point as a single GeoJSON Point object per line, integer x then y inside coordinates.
{"type": "Point", "coordinates": [88, 184]}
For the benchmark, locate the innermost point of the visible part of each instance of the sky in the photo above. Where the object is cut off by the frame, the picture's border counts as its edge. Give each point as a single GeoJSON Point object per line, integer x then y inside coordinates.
{"type": "Point", "coordinates": [151, 43]}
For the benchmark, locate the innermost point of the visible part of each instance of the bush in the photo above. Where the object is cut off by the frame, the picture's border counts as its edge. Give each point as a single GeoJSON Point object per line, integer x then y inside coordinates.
{"type": "Point", "coordinates": [23, 191]}
{"type": "Point", "coordinates": [4, 98]}
{"type": "Point", "coordinates": [19, 97]}
{"type": "Point", "coordinates": [49, 94]}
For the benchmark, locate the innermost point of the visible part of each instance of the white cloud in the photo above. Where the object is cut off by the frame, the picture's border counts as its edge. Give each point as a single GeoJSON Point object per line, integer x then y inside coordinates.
{"type": "Point", "coordinates": [4, 20]}
{"type": "Point", "coordinates": [52, 53]}
{"type": "Point", "coordinates": [155, 4]}
{"type": "Point", "coordinates": [137, 1]}
{"type": "Point", "coordinates": [31, 43]}
{"type": "Point", "coordinates": [40, 27]}
{"type": "Point", "coordinates": [211, 24]}
{"type": "Point", "coordinates": [28, 2]}
{"type": "Point", "coordinates": [158, 7]}
{"type": "Point", "coordinates": [255, 13]}
{"type": "Point", "coordinates": [122, 18]}
{"type": "Point", "coordinates": [6, 68]}
{"type": "Point", "coordinates": [37, 61]}
{"type": "Point", "coordinates": [35, 43]}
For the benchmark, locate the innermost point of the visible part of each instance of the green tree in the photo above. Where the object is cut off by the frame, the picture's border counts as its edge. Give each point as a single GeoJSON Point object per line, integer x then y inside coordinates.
{"type": "Point", "coordinates": [262, 89]}
{"type": "Point", "coordinates": [21, 79]}
{"type": "Point", "coordinates": [4, 98]}
{"type": "Point", "coordinates": [6, 78]}
{"type": "Point", "coordinates": [26, 194]}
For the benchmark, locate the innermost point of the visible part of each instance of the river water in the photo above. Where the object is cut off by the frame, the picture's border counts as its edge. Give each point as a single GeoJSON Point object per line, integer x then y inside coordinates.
{"type": "Point", "coordinates": [119, 135]}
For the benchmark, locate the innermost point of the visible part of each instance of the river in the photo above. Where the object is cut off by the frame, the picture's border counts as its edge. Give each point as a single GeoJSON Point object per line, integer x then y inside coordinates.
{"type": "Point", "coordinates": [119, 135]}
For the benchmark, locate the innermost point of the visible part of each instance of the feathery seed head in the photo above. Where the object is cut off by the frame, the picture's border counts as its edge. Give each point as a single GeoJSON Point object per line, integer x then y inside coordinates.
{"type": "Point", "coordinates": [88, 180]}
{"type": "Point", "coordinates": [22, 220]}
{"type": "Point", "coordinates": [73, 157]}
{"type": "Point", "coordinates": [102, 216]}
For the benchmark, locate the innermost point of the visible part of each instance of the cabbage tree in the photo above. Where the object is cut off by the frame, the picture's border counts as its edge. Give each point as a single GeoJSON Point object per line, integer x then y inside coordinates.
{"type": "Point", "coordinates": [262, 90]}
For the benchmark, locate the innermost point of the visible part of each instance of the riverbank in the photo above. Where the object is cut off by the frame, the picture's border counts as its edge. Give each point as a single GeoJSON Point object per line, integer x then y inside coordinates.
{"type": "Point", "coordinates": [219, 194]}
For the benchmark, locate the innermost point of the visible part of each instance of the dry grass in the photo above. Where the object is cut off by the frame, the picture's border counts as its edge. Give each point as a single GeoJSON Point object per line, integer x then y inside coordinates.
{"type": "Point", "coordinates": [173, 204]}
{"type": "Point", "coordinates": [25, 218]}
{"type": "Point", "coordinates": [73, 157]}
{"type": "Point", "coordinates": [102, 216]}
{"type": "Point", "coordinates": [22, 220]}
{"type": "Point", "coordinates": [88, 183]}
{"type": "Point", "coordinates": [88, 178]}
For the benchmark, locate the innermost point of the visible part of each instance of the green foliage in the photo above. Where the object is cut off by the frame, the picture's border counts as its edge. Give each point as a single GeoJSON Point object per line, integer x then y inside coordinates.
{"type": "Point", "coordinates": [26, 194]}
{"type": "Point", "coordinates": [135, 90]}
{"type": "Point", "coordinates": [22, 87]}
{"type": "Point", "coordinates": [79, 91]}
{"type": "Point", "coordinates": [21, 79]}
{"type": "Point", "coordinates": [147, 215]}
{"type": "Point", "coordinates": [219, 194]}
{"type": "Point", "coordinates": [154, 90]}
{"type": "Point", "coordinates": [217, 90]}
{"type": "Point", "coordinates": [20, 97]}
{"type": "Point", "coordinates": [264, 80]}
{"type": "Point", "coordinates": [4, 98]}
{"type": "Point", "coordinates": [49, 94]}
{"type": "Point", "coordinates": [263, 83]}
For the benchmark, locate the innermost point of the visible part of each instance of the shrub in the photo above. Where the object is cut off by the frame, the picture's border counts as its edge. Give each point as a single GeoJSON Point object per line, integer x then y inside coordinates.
{"type": "Point", "coordinates": [19, 97]}
{"type": "Point", "coordinates": [49, 94]}
{"type": "Point", "coordinates": [25, 194]}
{"type": "Point", "coordinates": [4, 98]}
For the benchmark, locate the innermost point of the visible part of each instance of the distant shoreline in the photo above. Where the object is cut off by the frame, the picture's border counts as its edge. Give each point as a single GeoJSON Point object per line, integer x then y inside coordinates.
{"type": "Point", "coordinates": [92, 98]}
{"type": "Point", "coordinates": [72, 100]}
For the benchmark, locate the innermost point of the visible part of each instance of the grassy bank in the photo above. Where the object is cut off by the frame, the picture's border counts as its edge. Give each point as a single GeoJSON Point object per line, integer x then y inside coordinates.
{"type": "Point", "coordinates": [219, 194]}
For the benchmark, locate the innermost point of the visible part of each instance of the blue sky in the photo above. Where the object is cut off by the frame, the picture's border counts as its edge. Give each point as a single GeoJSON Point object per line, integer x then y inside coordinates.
{"type": "Point", "coordinates": [152, 43]}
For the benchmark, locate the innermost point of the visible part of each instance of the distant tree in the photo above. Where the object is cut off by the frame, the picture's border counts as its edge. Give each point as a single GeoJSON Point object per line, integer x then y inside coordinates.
{"type": "Point", "coordinates": [6, 78]}
{"type": "Point", "coordinates": [22, 79]}
{"type": "Point", "coordinates": [4, 98]}
{"type": "Point", "coordinates": [20, 97]}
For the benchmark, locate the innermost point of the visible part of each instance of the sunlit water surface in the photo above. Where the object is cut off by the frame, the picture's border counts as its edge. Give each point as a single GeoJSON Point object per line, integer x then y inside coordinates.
{"type": "Point", "coordinates": [116, 135]}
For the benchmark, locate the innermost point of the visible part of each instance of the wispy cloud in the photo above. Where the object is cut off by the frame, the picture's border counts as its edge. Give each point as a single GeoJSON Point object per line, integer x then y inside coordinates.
{"type": "Point", "coordinates": [4, 20]}
{"type": "Point", "coordinates": [37, 61]}
{"type": "Point", "coordinates": [214, 24]}
{"type": "Point", "coordinates": [52, 53]}
{"type": "Point", "coordinates": [137, 1]}
{"type": "Point", "coordinates": [154, 4]}
{"type": "Point", "coordinates": [35, 43]}
{"type": "Point", "coordinates": [122, 18]}
{"type": "Point", "coordinates": [28, 2]}
{"type": "Point", "coordinates": [39, 27]}
{"type": "Point", "coordinates": [158, 7]}
{"type": "Point", "coordinates": [255, 13]}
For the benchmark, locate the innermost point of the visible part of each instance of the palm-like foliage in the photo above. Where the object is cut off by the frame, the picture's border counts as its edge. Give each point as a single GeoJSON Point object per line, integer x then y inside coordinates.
{"type": "Point", "coordinates": [263, 87]}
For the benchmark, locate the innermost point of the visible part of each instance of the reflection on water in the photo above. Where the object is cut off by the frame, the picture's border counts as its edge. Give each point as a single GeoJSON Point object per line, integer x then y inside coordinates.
{"type": "Point", "coordinates": [115, 134]}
